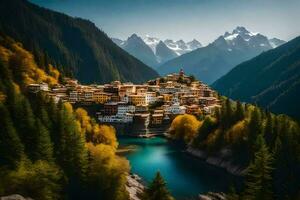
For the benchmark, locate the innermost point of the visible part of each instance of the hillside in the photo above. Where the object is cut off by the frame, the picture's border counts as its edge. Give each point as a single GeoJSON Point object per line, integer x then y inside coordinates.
{"type": "Point", "coordinates": [213, 61]}
{"type": "Point", "coordinates": [76, 45]}
{"type": "Point", "coordinates": [272, 80]}
{"type": "Point", "coordinates": [45, 153]}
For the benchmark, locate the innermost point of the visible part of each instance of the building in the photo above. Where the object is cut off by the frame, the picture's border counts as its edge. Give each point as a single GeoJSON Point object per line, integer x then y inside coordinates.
{"type": "Point", "coordinates": [150, 97]}
{"type": "Point", "coordinates": [157, 119]}
{"type": "Point", "coordinates": [210, 109]}
{"type": "Point", "coordinates": [38, 87]}
{"type": "Point", "coordinates": [207, 101]}
{"type": "Point", "coordinates": [124, 109]}
{"type": "Point", "coordinates": [175, 109]}
{"type": "Point", "coordinates": [137, 99]}
{"type": "Point", "coordinates": [189, 99]}
{"type": "Point", "coordinates": [88, 95]}
{"type": "Point", "coordinates": [101, 97]}
{"type": "Point", "coordinates": [110, 108]}
{"type": "Point", "coordinates": [128, 118]}
{"type": "Point", "coordinates": [73, 96]}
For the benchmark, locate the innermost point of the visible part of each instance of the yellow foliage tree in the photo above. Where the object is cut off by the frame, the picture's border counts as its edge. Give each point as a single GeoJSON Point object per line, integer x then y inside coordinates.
{"type": "Point", "coordinates": [95, 133]}
{"type": "Point", "coordinates": [23, 65]}
{"type": "Point", "coordinates": [114, 170]}
{"type": "Point", "coordinates": [184, 127]}
{"type": "Point", "coordinates": [106, 135]}
{"type": "Point", "coordinates": [236, 132]}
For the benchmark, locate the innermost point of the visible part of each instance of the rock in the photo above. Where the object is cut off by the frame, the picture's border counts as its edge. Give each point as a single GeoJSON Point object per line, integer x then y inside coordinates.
{"type": "Point", "coordinates": [134, 186]}
{"type": "Point", "coordinates": [212, 196]}
{"type": "Point", "coordinates": [219, 161]}
{"type": "Point", "coordinates": [14, 197]}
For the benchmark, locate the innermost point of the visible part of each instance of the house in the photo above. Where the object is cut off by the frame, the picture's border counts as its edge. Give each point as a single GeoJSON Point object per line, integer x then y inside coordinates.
{"type": "Point", "coordinates": [157, 119]}
{"type": "Point", "coordinates": [73, 96]}
{"type": "Point", "coordinates": [150, 97]}
{"type": "Point", "coordinates": [124, 108]}
{"type": "Point", "coordinates": [175, 109]}
{"type": "Point", "coordinates": [137, 99]}
{"type": "Point", "coordinates": [38, 87]}
{"type": "Point", "coordinates": [110, 108]}
{"type": "Point", "coordinates": [101, 97]}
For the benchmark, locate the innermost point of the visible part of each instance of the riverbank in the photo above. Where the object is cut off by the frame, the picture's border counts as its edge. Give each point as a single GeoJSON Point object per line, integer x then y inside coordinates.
{"type": "Point", "coordinates": [218, 161]}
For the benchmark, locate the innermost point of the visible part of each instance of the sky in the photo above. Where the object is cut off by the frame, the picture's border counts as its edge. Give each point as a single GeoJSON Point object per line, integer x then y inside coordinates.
{"type": "Point", "coordinates": [203, 20]}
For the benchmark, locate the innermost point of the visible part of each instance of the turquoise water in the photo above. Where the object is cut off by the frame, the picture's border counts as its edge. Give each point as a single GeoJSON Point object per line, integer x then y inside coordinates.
{"type": "Point", "coordinates": [185, 175]}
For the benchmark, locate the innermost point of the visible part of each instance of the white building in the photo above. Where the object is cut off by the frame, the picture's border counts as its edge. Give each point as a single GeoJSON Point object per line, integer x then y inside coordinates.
{"type": "Point", "coordinates": [176, 109]}
{"type": "Point", "coordinates": [127, 118]}
{"type": "Point", "coordinates": [150, 97]}
{"type": "Point", "coordinates": [123, 109]}
{"type": "Point", "coordinates": [73, 96]}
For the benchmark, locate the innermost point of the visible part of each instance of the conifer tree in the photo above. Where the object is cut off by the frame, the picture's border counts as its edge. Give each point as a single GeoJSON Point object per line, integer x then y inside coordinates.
{"type": "Point", "coordinates": [254, 129]}
{"type": "Point", "coordinates": [26, 127]}
{"type": "Point", "coordinates": [157, 189]}
{"type": "Point", "coordinates": [268, 131]}
{"type": "Point", "coordinates": [11, 147]}
{"type": "Point", "coordinates": [239, 112]}
{"type": "Point", "coordinates": [44, 146]}
{"type": "Point", "coordinates": [259, 174]}
{"type": "Point", "coordinates": [72, 153]}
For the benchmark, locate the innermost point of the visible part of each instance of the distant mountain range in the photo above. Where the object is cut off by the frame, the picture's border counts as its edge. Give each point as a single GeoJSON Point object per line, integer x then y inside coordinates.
{"type": "Point", "coordinates": [161, 50]}
{"type": "Point", "coordinates": [75, 45]}
{"type": "Point", "coordinates": [272, 80]}
{"type": "Point", "coordinates": [214, 60]}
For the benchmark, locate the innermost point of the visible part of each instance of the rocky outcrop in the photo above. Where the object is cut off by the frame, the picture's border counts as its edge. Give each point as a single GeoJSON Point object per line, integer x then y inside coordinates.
{"type": "Point", "coordinates": [219, 161]}
{"type": "Point", "coordinates": [212, 196]}
{"type": "Point", "coordinates": [134, 186]}
{"type": "Point", "coordinates": [14, 197]}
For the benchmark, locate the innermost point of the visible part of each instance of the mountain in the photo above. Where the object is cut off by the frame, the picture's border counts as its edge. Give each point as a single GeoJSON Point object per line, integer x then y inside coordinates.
{"type": "Point", "coordinates": [75, 45]}
{"type": "Point", "coordinates": [275, 42]}
{"type": "Point", "coordinates": [162, 51]}
{"type": "Point", "coordinates": [180, 47]}
{"type": "Point", "coordinates": [139, 49]}
{"type": "Point", "coordinates": [272, 80]}
{"type": "Point", "coordinates": [216, 59]}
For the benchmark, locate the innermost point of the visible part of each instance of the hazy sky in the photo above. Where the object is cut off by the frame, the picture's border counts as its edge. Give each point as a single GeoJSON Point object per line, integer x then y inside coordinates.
{"type": "Point", "coordinates": [203, 20]}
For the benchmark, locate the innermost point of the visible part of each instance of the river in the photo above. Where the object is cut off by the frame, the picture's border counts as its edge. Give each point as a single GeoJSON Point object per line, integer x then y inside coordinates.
{"type": "Point", "coordinates": [186, 176]}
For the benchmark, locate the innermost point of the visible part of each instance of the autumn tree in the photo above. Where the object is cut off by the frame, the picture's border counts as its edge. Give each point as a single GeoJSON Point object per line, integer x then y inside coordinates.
{"type": "Point", "coordinates": [184, 127]}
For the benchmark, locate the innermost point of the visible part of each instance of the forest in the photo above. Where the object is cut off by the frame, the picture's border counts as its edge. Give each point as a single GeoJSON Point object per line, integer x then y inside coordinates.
{"type": "Point", "coordinates": [267, 146]}
{"type": "Point", "coordinates": [49, 150]}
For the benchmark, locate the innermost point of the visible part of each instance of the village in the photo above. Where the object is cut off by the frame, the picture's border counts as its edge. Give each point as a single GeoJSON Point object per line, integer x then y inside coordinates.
{"type": "Point", "coordinates": [155, 103]}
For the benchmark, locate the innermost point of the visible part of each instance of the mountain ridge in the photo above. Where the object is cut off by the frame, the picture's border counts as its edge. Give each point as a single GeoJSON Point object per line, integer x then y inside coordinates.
{"type": "Point", "coordinates": [214, 60]}
{"type": "Point", "coordinates": [171, 49]}
{"type": "Point", "coordinates": [76, 45]}
{"type": "Point", "coordinates": [272, 80]}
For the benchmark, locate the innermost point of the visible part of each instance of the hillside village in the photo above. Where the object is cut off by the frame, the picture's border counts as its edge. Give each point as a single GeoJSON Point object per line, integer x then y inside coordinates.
{"type": "Point", "coordinates": [155, 102]}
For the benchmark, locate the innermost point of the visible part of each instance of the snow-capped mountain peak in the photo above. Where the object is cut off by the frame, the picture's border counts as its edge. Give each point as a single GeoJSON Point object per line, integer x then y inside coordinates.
{"type": "Point", "coordinates": [240, 38]}
{"type": "Point", "coordinates": [152, 42]}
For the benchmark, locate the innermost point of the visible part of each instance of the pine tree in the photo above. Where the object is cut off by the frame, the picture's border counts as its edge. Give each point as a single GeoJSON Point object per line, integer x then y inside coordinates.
{"type": "Point", "coordinates": [254, 129]}
{"type": "Point", "coordinates": [44, 146]}
{"type": "Point", "coordinates": [157, 189]}
{"type": "Point", "coordinates": [268, 131]}
{"type": "Point", "coordinates": [72, 153]}
{"type": "Point", "coordinates": [259, 174]}
{"type": "Point", "coordinates": [26, 127]}
{"type": "Point", "coordinates": [11, 148]}
{"type": "Point", "coordinates": [239, 112]}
